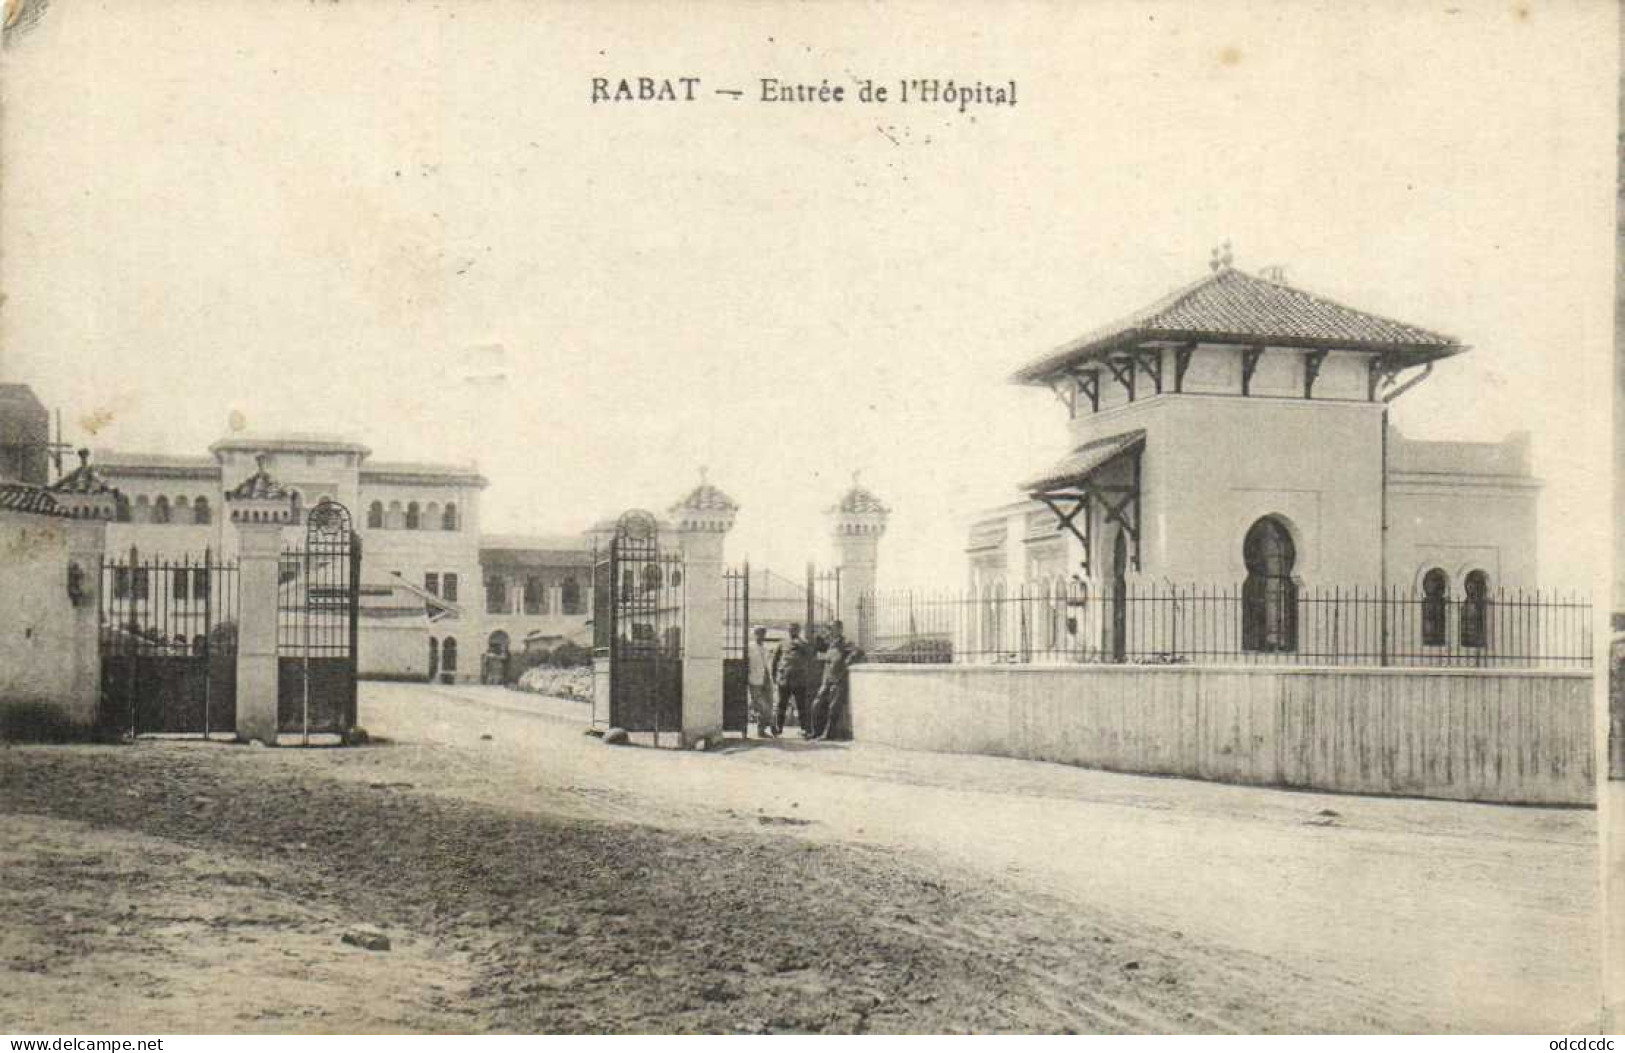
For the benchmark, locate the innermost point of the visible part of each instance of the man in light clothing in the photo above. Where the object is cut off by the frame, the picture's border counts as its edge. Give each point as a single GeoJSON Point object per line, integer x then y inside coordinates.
{"type": "Point", "coordinates": [759, 683]}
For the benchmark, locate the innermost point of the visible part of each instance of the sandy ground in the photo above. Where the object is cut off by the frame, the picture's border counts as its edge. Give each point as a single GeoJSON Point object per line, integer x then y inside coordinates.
{"type": "Point", "coordinates": [533, 879]}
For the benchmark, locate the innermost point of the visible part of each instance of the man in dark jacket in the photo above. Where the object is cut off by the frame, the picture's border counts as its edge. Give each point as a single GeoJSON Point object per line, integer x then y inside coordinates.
{"type": "Point", "coordinates": [792, 673]}
{"type": "Point", "coordinates": [829, 710]}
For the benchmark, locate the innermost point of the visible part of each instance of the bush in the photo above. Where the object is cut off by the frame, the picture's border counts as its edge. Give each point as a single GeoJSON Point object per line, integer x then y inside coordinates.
{"type": "Point", "coordinates": [574, 682]}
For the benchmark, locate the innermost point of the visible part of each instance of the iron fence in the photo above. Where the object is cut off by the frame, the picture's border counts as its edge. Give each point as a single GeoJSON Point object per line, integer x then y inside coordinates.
{"type": "Point", "coordinates": [1162, 623]}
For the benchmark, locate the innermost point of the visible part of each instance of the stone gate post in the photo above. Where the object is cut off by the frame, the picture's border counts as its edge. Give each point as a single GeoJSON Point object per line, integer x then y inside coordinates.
{"type": "Point", "coordinates": [856, 524]}
{"type": "Point", "coordinates": [703, 520]}
{"type": "Point", "coordinates": [260, 508]}
{"type": "Point", "coordinates": [84, 495]}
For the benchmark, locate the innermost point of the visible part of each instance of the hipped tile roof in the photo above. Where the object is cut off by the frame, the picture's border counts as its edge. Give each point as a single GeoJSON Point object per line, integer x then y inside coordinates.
{"type": "Point", "coordinates": [1232, 306]}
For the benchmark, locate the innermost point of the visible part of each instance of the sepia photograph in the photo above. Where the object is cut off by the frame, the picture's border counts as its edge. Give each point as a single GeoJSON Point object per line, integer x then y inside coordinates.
{"type": "Point", "coordinates": [811, 518]}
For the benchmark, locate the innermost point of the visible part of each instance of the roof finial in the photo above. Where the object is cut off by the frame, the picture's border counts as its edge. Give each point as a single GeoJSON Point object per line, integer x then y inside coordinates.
{"type": "Point", "coordinates": [1222, 257]}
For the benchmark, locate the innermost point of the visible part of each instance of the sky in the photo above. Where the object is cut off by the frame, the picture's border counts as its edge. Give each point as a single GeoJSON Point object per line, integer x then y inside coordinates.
{"type": "Point", "coordinates": [409, 223]}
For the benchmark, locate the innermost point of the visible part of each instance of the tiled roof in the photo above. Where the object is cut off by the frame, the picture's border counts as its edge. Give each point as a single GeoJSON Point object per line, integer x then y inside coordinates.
{"type": "Point", "coordinates": [21, 497]}
{"type": "Point", "coordinates": [706, 498]}
{"type": "Point", "coordinates": [1232, 306]}
{"type": "Point", "coordinates": [1085, 460]}
{"type": "Point", "coordinates": [82, 480]}
{"type": "Point", "coordinates": [858, 501]}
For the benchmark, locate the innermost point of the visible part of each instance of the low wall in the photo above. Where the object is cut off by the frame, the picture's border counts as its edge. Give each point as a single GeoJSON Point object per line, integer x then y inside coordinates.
{"type": "Point", "coordinates": [1499, 736]}
{"type": "Point", "coordinates": [50, 652]}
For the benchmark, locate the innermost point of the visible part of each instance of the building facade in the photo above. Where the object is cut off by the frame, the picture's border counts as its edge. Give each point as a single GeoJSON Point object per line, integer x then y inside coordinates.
{"type": "Point", "coordinates": [1235, 434]}
{"type": "Point", "coordinates": [426, 607]}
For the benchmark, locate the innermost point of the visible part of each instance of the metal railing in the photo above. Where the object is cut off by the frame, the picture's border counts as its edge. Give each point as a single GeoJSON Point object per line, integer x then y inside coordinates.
{"type": "Point", "coordinates": [1058, 622]}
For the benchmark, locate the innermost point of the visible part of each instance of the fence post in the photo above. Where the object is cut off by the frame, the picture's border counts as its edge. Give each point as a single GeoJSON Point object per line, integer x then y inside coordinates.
{"type": "Point", "coordinates": [856, 524]}
{"type": "Point", "coordinates": [260, 508]}
{"type": "Point", "coordinates": [703, 520]}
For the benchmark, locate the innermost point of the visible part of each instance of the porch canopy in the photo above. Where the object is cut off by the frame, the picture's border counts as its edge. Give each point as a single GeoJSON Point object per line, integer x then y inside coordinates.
{"type": "Point", "coordinates": [1077, 481]}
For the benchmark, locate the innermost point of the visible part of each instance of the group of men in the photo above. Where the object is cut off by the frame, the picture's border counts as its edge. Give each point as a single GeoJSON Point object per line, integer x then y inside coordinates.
{"type": "Point", "coordinates": [810, 675]}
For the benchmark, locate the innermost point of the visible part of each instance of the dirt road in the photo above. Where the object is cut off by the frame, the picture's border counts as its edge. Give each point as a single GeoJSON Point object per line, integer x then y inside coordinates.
{"type": "Point", "coordinates": [534, 879]}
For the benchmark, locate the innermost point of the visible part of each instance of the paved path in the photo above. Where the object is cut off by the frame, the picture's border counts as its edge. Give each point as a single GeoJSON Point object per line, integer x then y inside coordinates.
{"type": "Point", "coordinates": [1432, 915]}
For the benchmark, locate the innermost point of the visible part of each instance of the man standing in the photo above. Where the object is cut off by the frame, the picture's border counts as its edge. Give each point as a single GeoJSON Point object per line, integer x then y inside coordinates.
{"type": "Point", "coordinates": [792, 666]}
{"type": "Point", "coordinates": [829, 711]}
{"type": "Point", "coordinates": [759, 684]}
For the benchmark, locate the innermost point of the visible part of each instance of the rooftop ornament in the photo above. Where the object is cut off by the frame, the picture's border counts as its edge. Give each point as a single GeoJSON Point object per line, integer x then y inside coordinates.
{"type": "Point", "coordinates": [83, 493]}
{"type": "Point", "coordinates": [260, 498]}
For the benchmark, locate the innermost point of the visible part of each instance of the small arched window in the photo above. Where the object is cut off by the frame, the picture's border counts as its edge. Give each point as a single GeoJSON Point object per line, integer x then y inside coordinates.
{"type": "Point", "coordinates": [375, 516]}
{"type": "Point", "coordinates": [160, 510]}
{"type": "Point", "coordinates": [498, 643]}
{"type": "Point", "coordinates": [1435, 608]}
{"type": "Point", "coordinates": [201, 513]}
{"type": "Point", "coordinates": [414, 517]}
{"type": "Point", "coordinates": [571, 596]}
{"type": "Point", "coordinates": [448, 518]}
{"type": "Point", "coordinates": [1475, 609]}
{"type": "Point", "coordinates": [1269, 596]}
{"type": "Point", "coordinates": [448, 655]}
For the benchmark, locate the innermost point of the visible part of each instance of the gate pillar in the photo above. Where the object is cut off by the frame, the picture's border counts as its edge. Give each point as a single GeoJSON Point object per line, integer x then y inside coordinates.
{"type": "Point", "coordinates": [703, 520]}
{"type": "Point", "coordinates": [857, 523]}
{"type": "Point", "coordinates": [260, 508]}
{"type": "Point", "coordinates": [87, 544]}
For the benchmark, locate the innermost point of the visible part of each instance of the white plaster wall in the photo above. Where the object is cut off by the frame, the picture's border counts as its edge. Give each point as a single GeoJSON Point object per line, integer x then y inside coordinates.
{"type": "Point", "coordinates": [393, 648]}
{"type": "Point", "coordinates": [1501, 736]}
{"type": "Point", "coordinates": [1214, 465]}
{"type": "Point", "coordinates": [49, 649]}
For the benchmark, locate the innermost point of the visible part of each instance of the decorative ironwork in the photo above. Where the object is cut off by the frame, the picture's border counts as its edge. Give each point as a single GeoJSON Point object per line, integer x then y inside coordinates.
{"type": "Point", "coordinates": [736, 638]}
{"type": "Point", "coordinates": [638, 627]}
{"type": "Point", "coordinates": [169, 645]}
{"type": "Point", "coordinates": [1061, 621]}
{"type": "Point", "coordinates": [318, 623]}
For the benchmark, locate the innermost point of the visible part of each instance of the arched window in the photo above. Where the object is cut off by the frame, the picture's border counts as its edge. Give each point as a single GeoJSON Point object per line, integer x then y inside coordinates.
{"type": "Point", "coordinates": [1475, 609]}
{"type": "Point", "coordinates": [1435, 608]}
{"type": "Point", "coordinates": [448, 518]}
{"type": "Point", "coordinates": [160, 510]}
{"type": "Point", "coordinates": [1269, 597]}
{"type": "Point", "coordinates": [571, 596]}
{"type": "Point", "coordinates": [448, 655]}
{"type": "Point", "coordinates": [201, 513]}
{"type": "Point", "coordinates": [375, 516]}
{"type": "Point", "coordinates": [414, 518]}
{"type": "Point", "coordinates": [498, 643]}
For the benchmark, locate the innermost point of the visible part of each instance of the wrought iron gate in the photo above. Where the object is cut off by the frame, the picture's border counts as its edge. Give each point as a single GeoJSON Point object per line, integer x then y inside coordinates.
{"type": "Point", "coordinates": [638, 626]}
{"type": "Point", "coordinates": [736, 640]}
{"type": "Point", "coordinates": [318, 622]}
{"type": "Point", "coordinates": [169, 645]}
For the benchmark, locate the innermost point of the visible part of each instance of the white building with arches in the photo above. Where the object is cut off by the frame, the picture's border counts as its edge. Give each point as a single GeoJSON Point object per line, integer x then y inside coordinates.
{"type": "Point", "coordinates": [1236, 434]}
{"type": "Point", "coordinates": [429, 606]}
